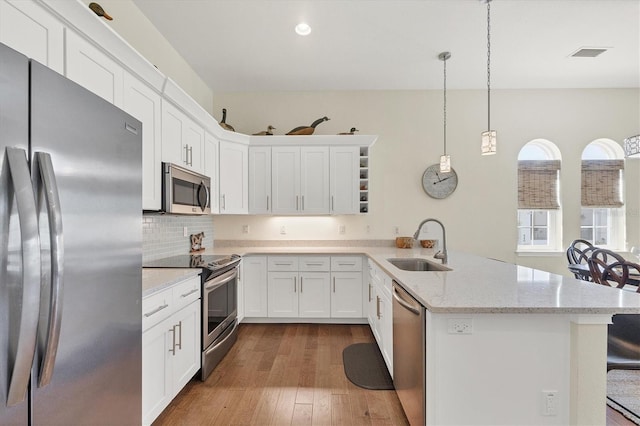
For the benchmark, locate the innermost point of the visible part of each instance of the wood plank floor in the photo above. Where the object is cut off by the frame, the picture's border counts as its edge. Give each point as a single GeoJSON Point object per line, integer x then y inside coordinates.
{"type": "Point", "coordinates": [291, 374]}
{"type": "Point", "coordinates": [285, 374]}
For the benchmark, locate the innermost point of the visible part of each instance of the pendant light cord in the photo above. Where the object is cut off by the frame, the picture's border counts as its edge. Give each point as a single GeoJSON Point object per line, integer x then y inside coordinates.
{"type": "Point", "coordinates": [445, 106]}
{"type": "Point", "coordinates": [488, 65]}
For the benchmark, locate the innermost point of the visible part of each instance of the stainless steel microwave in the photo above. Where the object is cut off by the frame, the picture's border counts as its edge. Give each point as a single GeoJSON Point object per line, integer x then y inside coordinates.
{"type": "Point", "coordinates": [185, 191]}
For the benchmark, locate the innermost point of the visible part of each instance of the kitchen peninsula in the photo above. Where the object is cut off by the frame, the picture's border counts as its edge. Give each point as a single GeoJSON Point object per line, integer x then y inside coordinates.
{"type": "Point", "coordinates": [532, 332]}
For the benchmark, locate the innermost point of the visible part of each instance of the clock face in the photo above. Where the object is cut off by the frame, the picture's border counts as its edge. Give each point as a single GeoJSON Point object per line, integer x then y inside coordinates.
{"type": "Point", "coordinates": [438, 184]}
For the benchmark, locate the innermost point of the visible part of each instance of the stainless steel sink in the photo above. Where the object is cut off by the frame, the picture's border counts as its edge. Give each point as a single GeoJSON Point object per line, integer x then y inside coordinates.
{"type": "Point", "coordinates": [417, 264]}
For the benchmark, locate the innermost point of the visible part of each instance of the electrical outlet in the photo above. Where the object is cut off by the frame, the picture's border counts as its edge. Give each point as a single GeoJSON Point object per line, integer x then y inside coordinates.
{"type": "Point", "coordinates": [549, 403]}
{"type": "Point", "coordinates": [460, 326]}
{"type": "Point", "coordinates": [245, 229]}
{"type": "Point", "coordinates": [396, 230]}
{"type": "Point", "coordinates": [342, 229]}
{"type": "Point", "coordinates": [283, 230]}
{"type": "Point", "coordinates": [185, 231]}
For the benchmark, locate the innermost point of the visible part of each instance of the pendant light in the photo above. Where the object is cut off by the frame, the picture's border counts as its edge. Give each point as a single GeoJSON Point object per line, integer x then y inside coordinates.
{"type": "Point", "coordinates": [445, 160]}
{"type": "Point", "coordinates": [489, 138]}
{"type": "Point", "coordinates": [632, 146]}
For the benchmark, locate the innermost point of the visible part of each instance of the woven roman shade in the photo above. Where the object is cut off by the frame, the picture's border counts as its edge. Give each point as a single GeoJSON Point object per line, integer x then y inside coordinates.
{"type": "Point", "coordinates": [538, 184]}
{"type": "Point", "coordinates": [601, 183]}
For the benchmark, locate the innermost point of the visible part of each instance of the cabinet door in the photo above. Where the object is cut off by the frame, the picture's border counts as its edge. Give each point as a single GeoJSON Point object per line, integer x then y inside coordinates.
{"type": "Point", "coordinates": [93, 69]}
{"type": "Point", "coordinates": [285, 180]}
{"type": "Point", "coordinates": [234, 188]}
{"type": "Point", "coordinates": [346, 295]}
{"type": "Point", "coordinates": [314, 180]}
{"type": "Point", "coordinates": [157, 390]}
{"type": "Point", "coordinates": [314, 297]}
{"type": "Point", "coordinates": [282, 294]}
{"type": "Point", "coordinates": [145, 104]}
{"type": "Point", "coordinates": [254, 280]}
{"type": "Point", "coordinates": [172, 134]}
{"type": "Point", "coordinates": [186, 351]}
{"type": "Point", "coordinates": [211, 165]}
{"type": "Point", "coordinates": [344, 178]}
{"type": "Point", "coordinates": [386, 330]}
{"type": "Point", "coordinates": [259, 179]}
{"type": "Point", "coordinates": [29, 29]}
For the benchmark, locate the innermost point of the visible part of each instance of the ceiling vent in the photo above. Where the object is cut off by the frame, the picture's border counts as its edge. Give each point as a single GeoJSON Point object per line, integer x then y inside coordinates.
{"type": "Point", "coordinates": [589, 52]}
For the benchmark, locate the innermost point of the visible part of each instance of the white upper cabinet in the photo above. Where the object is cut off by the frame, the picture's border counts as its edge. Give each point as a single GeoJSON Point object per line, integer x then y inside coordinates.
{"type": "Point", "coordinates": [300, 180]}
{"type": "Point", "coordinates": [344, 179]}
{"type": "Point", "coordinates": [182, 139]}
{"type": "Point", "coordinates": [234, 173]}
{"type": "Point", "coordinates": [93, 69]}
{"type": "Point", "coordinates": [259, 180]}
{"type": "Point", "coordinates": [211, 165]}
{"type": "Point", "coordinates": [144, 103]}
{"type": "Point", "coordinates": [28, 28]}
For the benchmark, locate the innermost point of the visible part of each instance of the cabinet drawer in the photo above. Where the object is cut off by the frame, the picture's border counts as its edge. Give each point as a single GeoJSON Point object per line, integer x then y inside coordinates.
{"type": "Point", "coordinates": [156, 307]}
{"type": "Point", "coordinates": [346, 263]}
{"type": "Point", "coordinates": [282, 263]}
{"type": "Point", "coordinates": [186, 292]}
{"type": "Point", "coordinates": [314, 263]}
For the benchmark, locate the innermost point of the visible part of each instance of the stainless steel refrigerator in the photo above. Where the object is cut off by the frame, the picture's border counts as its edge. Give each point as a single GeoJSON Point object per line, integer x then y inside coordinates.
{"type": "Point", "coordinates": [70, 252]}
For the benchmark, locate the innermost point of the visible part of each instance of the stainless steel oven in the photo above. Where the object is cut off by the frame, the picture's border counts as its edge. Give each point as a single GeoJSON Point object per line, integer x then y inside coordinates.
{"type": "Point", "coordinates": [219, 318]}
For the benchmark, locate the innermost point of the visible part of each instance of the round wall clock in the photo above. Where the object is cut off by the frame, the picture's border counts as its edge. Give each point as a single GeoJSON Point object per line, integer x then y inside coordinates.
{"type": "Point", "coordinates": [438, 184]}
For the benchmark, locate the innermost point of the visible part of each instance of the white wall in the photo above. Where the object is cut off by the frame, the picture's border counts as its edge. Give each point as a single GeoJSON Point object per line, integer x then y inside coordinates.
{"type": "Point", "coordinates": [481, 215]}
{"type": "Point", "coordinates": [132, 25]}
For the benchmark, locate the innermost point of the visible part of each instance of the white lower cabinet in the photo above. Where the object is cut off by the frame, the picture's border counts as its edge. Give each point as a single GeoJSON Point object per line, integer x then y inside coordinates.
{"type": "Point", "coordinates": [298, 295]}
{"type": "Point", "coordinates": [254, 284]}
{"type": "Point", "coordinates": [379, 312]}
{"type": "Point", "coordinates": [170, 345]}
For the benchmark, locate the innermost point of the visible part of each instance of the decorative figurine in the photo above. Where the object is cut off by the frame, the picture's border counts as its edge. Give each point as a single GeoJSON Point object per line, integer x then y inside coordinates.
{"type": "Point", "coordinates": [98, 10]}
{"type": "Point", "coordinates": [268, 132]}
{"type": "Point", "coordinates": [223, 122]}
{"type": "Point", "coordinates": [196, 243]}
{"type": "Point", "coordinates": [350, 132]}
{"type": "Point", "coordinates": [307, 130]}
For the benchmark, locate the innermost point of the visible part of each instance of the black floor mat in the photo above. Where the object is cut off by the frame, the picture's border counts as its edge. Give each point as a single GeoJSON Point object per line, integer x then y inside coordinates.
{"type": "Point", "coordinates": [365, 367]}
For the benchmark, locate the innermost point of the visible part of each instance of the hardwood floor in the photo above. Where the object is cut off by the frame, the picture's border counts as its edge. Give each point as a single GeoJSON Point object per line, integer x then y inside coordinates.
{"type": "Point", "coordinates": [291, 374]}
{"type": "Point", "coordinates": [285, 374]}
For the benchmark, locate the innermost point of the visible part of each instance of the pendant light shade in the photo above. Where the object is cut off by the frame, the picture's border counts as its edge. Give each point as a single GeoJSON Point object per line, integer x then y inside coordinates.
{"type": "Point", "coordinates": [445, 160]}
{"type": "Point", "coordinates": [632, 146]}
{"type": "Point", "coordinates": [489, 138]}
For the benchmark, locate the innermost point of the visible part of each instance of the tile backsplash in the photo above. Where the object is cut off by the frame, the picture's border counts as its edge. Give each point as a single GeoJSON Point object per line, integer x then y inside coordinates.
{"type": "Point", "coordinates": [163, 235]}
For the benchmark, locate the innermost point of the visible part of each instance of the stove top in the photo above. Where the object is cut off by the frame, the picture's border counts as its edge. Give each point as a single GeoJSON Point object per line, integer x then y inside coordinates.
{"type": "Point", "coordinates": [210, 262]}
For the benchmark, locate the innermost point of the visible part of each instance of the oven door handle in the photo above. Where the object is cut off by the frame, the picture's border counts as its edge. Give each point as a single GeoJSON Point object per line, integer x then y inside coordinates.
{"type": "Point", "coordinates": [225, 336]}
{"type": "Point", "coordinates": [216, 282]}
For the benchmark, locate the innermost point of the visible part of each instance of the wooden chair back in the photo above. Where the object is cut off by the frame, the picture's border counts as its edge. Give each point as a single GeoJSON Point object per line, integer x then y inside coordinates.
{"type": "Point", "coordinates": [580, 251]}
{"type": "Point", "coordinates": [608, 268]}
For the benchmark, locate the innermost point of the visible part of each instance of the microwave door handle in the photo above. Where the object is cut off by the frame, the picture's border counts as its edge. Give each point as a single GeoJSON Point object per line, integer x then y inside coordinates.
{"type": "Point", "coordinates": [24, 348]}
{"type": "Point", "coordinates": [56, 236]}
{"type": "Point", "coordinates": [204, 206]}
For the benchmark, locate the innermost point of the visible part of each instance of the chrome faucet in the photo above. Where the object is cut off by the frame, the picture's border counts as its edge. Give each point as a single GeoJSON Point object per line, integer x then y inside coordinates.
{"type": "Point", "coordinates": [442, 254]}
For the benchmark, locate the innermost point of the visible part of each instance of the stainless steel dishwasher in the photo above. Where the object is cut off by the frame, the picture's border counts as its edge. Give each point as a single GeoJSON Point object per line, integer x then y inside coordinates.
{"type": "Point", "coordinates": [409, 354]}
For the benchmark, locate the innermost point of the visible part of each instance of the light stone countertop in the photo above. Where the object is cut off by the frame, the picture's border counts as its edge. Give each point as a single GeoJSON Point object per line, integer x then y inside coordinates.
{"type": "Point", "coordinates": [156, 279]}
{"type": "Point", "coordinates": [479, 285]}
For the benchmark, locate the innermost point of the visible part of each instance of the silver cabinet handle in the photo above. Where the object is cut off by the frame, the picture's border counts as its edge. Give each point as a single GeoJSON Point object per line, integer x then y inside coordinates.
{"type": "Point", "coordinates": [267, 203]}
{"type": "Point", "coordinates": [180, 335]}
{"type": "Point", "coordinates": [224, 202]}
{"type": "Point", "coordinates": [195, 290]}
{"type": "Point", "coordinates": [370, 292]}
{"type": "Point", "coordinates": [301, 284]}
{"type": "Point", "coordinates": [334, 284]}
{"type": "Point", "coordinates": [347, 264]}
{"type": "Point", "coordinates": [314, 263]}
{"type": "Point", "coordinates": [191, 156]}
{"type": "Point", "coordinates": [172, 330]}
{"type": "Point", "coordinates": [47, 176]}
{"type": "Point", "coordinates": [156, 310]}
{"type": "Point", "coordinates": [22, 351]}
{"type": "Point", "coordinates": [378, 307]}
{"type": "Point", "coordinates": [303, 203]}
{"type": "Point", "coordinates": [295, 281]}
{"type": "Point", "coordinates": [297, 202]}
{"type": "Point", "coordinates": [186, 155]}
{"type": "Point", "coordinates": [283, 263]}
{"type": "Point", "coordinates": [332, 207]}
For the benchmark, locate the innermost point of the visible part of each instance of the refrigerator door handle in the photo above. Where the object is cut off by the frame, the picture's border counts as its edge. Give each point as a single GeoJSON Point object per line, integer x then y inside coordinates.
{"type": "Point", "coordinates": [30, 303]}
{"type": "Point", "coordinates": [52, 199]}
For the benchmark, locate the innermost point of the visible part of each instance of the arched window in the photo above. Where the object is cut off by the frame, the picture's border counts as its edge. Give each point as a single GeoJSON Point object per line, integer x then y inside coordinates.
{"type": "Point", "coordinates": [539, 214]}
{"type": "Point", "coordinates": [602, 218]}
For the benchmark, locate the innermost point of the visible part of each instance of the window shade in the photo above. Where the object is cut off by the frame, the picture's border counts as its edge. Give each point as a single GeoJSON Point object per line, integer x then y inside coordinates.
{"type": "Point", "coordinates": [601, 183]}
{"type": "Point", "coordinates": [538, 184]}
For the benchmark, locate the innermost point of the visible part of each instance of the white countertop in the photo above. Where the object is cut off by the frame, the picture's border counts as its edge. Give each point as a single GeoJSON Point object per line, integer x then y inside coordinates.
{"type": "Point", "coordinates": [156, 279]}
{"type": "Point", "coordinates": [479, 285]}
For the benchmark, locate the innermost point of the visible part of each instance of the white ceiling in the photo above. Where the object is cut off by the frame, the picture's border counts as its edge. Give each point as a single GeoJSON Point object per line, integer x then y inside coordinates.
{"type": "Point", "coordinates": [250, 45]}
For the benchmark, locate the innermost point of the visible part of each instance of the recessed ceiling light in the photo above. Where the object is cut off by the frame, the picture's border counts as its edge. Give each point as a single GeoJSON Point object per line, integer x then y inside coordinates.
{"type": "Point", "coordinates": [303, 29]}
{"type": "Point", "coordinates": [589, 52]}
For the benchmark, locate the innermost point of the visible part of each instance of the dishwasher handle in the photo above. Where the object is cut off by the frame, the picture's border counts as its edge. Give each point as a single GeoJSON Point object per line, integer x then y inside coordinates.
{"type": "Point", "coordinates": [404, 303]}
